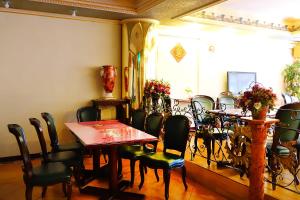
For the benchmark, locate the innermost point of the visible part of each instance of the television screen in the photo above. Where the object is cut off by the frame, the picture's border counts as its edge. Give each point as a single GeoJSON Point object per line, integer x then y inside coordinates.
{"type": "Point", "coordinates": [238, 82]}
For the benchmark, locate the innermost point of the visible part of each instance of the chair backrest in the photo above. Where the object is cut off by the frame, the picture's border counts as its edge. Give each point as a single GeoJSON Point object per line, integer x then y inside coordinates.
{"type": "Point", "coordinates": [200, 104]}
{"type": "Point", "coordinates": [226, 101]}
{"type": "Point", "coordinates": [51, 130]}
{"type": "Point", "coordinates": [18, 132]}
{"type": "Point", "coordinates": [88, 113]}
{"type": "Point", "coordinates": [288, 127]}
{"type": "Point", "coordinates": [286, 98]}
{"type": "Point", "coordinates": [294, 99]}
{"type": "Point", "coordinates": [138, 119]}
{"type": "Point", "coordinates": [153, 126]}
{"type": "Point", "coordinates": [39, 131]}
{"type": "Point", "coordinates": [176, 133]}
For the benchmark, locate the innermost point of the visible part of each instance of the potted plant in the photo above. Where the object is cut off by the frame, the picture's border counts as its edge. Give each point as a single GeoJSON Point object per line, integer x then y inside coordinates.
{"type": "Point", "coordinates": [291, 76]}
{"type": "Point", "coordinates": [155, 90]}
{"type": "Point", "coordinates": [258, 100]}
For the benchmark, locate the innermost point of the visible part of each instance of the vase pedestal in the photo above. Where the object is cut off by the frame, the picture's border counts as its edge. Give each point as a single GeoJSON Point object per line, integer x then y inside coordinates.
{"type": "Point", "coordinates": [258, 155]}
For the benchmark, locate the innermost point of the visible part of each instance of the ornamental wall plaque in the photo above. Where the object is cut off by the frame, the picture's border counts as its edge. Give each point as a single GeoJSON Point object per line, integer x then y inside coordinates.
{"type": "Point", "coordinates": [178, 52]}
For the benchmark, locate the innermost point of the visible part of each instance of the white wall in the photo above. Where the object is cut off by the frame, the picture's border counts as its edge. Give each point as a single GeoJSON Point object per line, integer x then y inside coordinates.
{"type": "Point", "coordinates": [235, 49]}
{"type": "Point", "coordinates": [51, 64]}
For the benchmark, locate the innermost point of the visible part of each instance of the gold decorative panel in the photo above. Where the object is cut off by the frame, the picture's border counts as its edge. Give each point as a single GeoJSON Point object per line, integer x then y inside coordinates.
{"type": "Point", "coordinates": [178, 52]}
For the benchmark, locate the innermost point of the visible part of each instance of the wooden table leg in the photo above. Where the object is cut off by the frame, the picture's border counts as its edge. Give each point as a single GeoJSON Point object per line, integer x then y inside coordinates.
{"type": "Point", "coordinates": [113, 168]}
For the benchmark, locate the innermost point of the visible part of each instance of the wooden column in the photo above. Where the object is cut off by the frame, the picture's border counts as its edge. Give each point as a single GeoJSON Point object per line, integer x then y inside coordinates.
{"type": "Point", "coordinates": [258, 155]}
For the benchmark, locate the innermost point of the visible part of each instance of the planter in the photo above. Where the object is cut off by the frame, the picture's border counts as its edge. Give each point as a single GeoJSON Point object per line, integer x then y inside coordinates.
{"type": "Point", "coordinates": [260, 114]}
{"type": "Point", "coordinates": [155, 99]}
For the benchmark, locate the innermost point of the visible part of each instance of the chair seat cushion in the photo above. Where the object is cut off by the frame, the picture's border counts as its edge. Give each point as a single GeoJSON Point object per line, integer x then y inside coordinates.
{"type": "Point", "coordinates": [131, 151]}
{"type": "Point", "coordinates": [75, 146]}
{"type": "Point", "coordinates": [70, 158]}
{"type": "Point", "coordinates": [282, 151]}
{"type": "Point", "coordinates": [50, 173]}
{"type": "Point", "coordinates": [162, 160]}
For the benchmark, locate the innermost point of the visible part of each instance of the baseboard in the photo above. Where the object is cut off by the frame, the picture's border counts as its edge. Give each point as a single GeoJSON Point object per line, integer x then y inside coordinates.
{"type": "Point", "coordinates": [19, 157]}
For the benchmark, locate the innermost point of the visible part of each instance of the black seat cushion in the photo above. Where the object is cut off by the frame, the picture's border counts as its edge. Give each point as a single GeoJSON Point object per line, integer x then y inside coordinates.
{"type": "Point", "coordinates": [50, 173]}
{"type": "Point", "coordinates": [75, 146]}
{"type": "Point", "coordinates": [70, 158]}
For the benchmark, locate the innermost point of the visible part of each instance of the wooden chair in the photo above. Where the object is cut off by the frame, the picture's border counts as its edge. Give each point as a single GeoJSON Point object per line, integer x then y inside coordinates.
{"type": "Point", "coordinates": [44, 174]}
{"type": "Point", "coordinates": [88, 113]}
{"type": "Point", "coordinates": [75, 146]}
{"type": "Point", "coordinates": [69, 158]}
{"type": "Point", "coordinates": [176, 135]}
{"type": "Point", "coordinates": [134, 152]}
{"type": "Point", "coordinates": [138, 117]}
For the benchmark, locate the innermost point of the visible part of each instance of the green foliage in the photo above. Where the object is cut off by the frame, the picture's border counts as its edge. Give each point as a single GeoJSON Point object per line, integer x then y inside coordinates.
{"type": "Point", "coordinates": [292, 79]}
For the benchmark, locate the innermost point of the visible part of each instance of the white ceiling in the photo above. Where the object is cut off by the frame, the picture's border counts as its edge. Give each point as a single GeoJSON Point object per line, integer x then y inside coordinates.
{"type": "Point", "coordinates": [275, 11]}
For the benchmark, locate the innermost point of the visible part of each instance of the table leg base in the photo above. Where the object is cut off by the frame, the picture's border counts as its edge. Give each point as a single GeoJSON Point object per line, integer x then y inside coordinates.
{"type": "Point", "coordinates": [90, 175]}
{"type": "Point", "coordinates": [106, 194]}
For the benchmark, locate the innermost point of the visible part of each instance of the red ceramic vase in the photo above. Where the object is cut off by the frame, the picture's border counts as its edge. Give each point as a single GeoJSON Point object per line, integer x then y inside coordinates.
{"type": "Point", "coordinates": [108, 75]}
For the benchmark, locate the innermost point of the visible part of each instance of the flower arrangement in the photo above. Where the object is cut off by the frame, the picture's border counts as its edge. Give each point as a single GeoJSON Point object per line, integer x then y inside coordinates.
{"type": "Point", "coordinates": [257, 99]}
{"type": "Point", "coordinates": [157, 88]}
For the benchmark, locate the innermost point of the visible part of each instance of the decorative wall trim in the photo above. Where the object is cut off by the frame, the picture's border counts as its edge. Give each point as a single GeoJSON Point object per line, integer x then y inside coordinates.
{"type": "Point", "coordinates": [238, 20]}
{"type": "Point", "coordinates": [60, 16]}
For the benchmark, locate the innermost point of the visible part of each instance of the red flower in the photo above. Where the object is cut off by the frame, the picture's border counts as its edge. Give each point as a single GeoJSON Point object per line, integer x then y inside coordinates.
{"type": "Point", "coordinates": [256, 98]}
{"type": "Point", "coordinates": [155, 87]}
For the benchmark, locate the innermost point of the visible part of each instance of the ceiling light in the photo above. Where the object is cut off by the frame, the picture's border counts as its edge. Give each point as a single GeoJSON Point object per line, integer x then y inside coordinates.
{"type": "Point", "coordinates": [74, 13]}
{"type": "Point", "coordinates": [6, 3]}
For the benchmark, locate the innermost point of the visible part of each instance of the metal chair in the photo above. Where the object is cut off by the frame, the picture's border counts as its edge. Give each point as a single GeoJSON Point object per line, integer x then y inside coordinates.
{"type": "Point", "coordinates": [283, 152]}
{"type": "Point", "coordinates": [44, 174]}
{"type": "Point", "coordinates": [226, 101]}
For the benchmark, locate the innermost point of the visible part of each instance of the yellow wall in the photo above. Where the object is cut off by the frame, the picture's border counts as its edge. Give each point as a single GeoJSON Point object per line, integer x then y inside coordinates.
{"type": "Point", "coordinates": [241, 48]}
{"type": "Point", "coordinates": [51, 64]}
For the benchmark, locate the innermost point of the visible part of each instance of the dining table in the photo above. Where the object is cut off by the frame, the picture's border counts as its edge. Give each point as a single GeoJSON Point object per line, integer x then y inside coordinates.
{"type": "Point", "coordinates": [109, 134]}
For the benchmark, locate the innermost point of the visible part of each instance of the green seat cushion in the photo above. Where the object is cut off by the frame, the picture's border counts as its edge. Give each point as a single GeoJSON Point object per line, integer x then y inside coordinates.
{"type": "Point", "coordinates": [70, 147]}
{"type": "Point", "coordinates": [69, 158]}
{"type": "Point", "coordinates": [50, 173]}
{"type": "Point", "coordinates": [162, 160]}
{"type": "Point", "coordinates": [282, 151]}
{"type": "Point", "coordinates": [131, 151]}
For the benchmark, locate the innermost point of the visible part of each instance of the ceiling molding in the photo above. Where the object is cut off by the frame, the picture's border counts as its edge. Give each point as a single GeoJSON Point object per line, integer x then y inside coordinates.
{"type": "Point", "coordinates": [60, 16]}
{"type": "Point", "coordinates": [132, 7]}
{"type": "Point", "coordinates": [144, 5]}
{"type": "Point", "coordinates": [112, 6]}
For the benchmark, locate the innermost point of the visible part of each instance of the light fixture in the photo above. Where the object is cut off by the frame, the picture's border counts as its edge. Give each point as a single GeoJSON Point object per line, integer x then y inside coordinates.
{"type": "Point", "coordinates": [74, 13]}
{"type": "Point", "coordinates": [6, 3]}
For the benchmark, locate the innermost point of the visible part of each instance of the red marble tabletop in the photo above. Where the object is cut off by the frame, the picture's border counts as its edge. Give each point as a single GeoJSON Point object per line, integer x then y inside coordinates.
{"type": "Point", "coordinates": [107, 132]}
